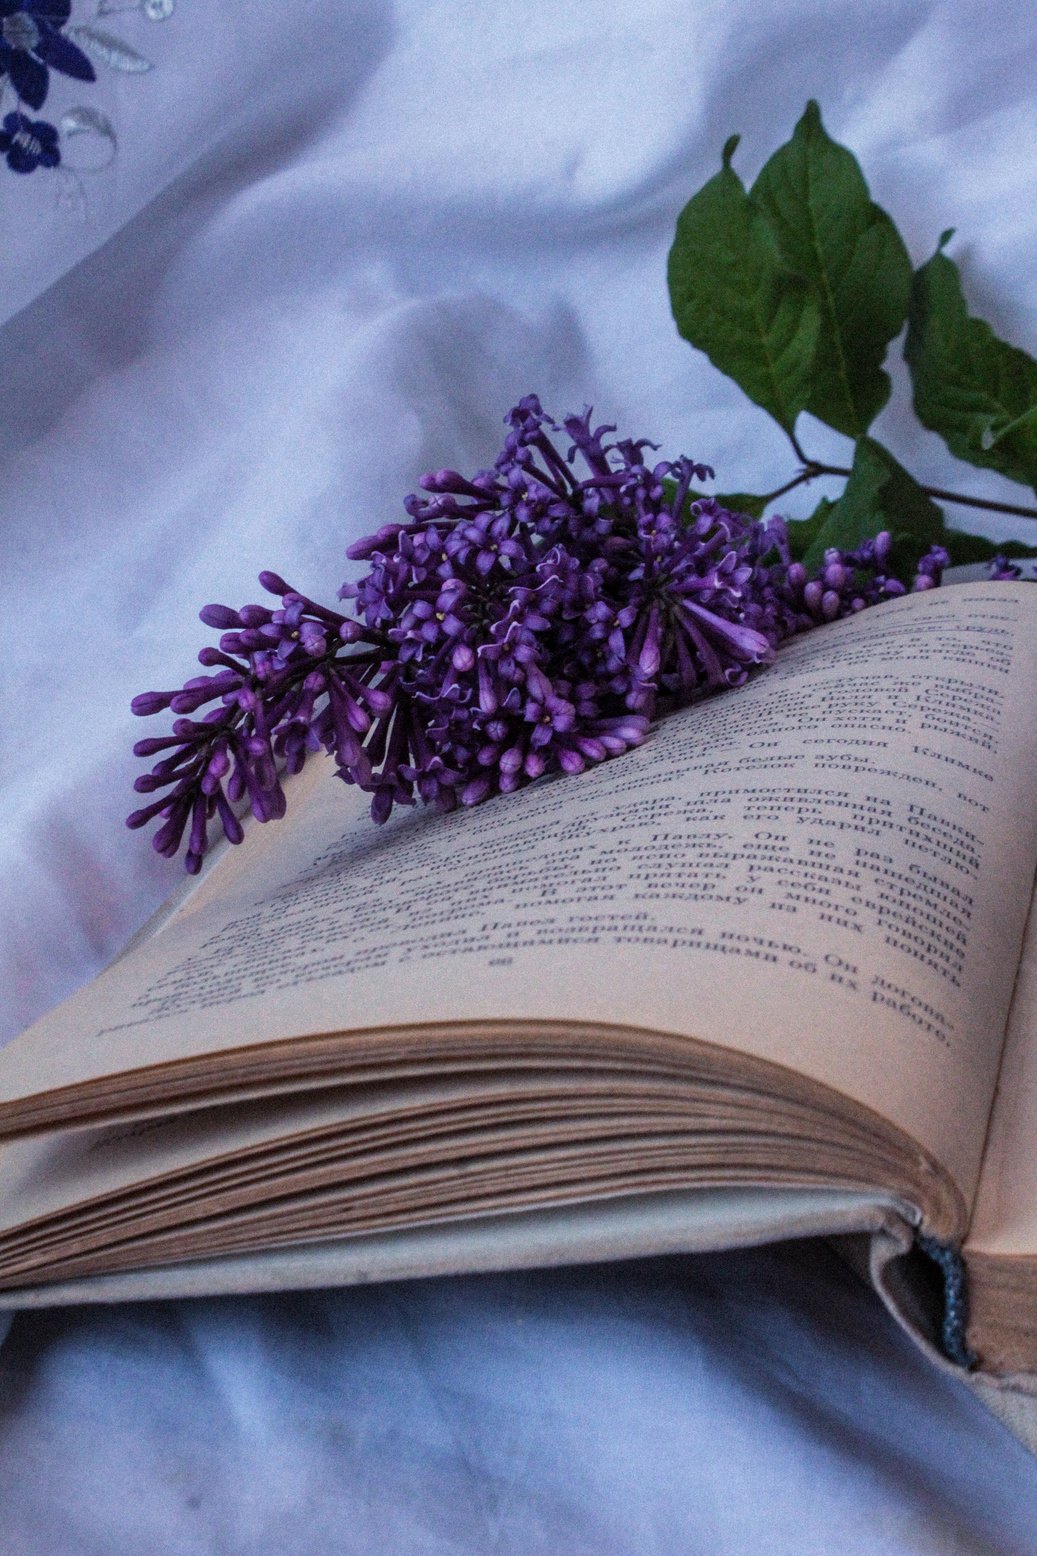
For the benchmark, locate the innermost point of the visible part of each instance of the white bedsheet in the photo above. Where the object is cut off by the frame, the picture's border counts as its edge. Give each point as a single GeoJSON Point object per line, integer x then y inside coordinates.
{"type": "Point", "coordinates": [336, 242]}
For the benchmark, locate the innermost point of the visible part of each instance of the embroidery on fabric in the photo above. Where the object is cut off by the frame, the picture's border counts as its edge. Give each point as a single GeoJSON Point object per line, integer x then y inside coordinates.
{"type": "Point", "coordinates": [37, 41]}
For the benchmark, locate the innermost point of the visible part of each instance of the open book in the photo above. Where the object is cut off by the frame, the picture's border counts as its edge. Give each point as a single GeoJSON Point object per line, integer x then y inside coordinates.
{"type": "Point", "coordinates": [769, 975]}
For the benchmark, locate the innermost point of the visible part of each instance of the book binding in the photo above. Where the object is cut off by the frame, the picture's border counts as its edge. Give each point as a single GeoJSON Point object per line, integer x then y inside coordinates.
{"type": "Point", "coordinates": [954, 1324]}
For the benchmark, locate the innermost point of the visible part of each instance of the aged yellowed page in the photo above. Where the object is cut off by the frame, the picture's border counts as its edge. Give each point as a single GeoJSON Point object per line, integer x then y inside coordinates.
{"type": "Point", "coordinates": [1001, 1247]}
{"type": "Point", "coordinates": [1004, 1222]}
{"type": "Point", "coordinates": [43, 1174]}
{"type": "Point", "coordinates": [823, 870]}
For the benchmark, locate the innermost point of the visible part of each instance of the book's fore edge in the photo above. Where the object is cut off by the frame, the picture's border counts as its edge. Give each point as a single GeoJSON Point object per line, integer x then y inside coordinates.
{"type": "Point", "coordinates": [600, 1231]}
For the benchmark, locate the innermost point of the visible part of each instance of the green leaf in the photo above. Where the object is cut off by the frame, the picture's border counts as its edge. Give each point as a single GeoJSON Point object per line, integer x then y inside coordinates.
{"type": "Point", "coordinates": [965, 548]}
{"type": "Point", "coordinates": [734, 298]}
{"type": "Point", "coordinates": [830, 232]}
{"type": "Point", "coordinates": [803, 532]}
{"type": "Point", "coordinates": [976, 391]}
{"type": "Point", "coordinates": [880, 494]}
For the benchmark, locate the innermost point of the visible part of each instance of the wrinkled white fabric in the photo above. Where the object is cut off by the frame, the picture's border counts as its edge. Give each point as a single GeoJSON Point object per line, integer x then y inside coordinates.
{"type": "Point", "coordinates": [336, 242]}
{"type": "Point", "coordinates": [680, 1407]}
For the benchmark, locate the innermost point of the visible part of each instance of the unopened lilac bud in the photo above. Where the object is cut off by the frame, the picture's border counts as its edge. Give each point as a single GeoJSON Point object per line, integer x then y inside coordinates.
{"type": "Point", "coordinates": [167, 839]}
{"type": "Point", "coordinates": [475, 792]}
{"type": "Point", "coordinates": [444, 481]}
{"type": "Point", "coordinates": [313, 640]}
{"type": "Point", "coordinates": [219, 616]}
{"type": "Point", "coordinates": [232, 828]}
{"type": "Point", "coordinates": [188, 700]}
{"type": "Point", "coordinates": [213, 656]}
{"type": "Point", "coordinates": [255, 616]}
{"type": "Point", "coordinates": [153, 744]}
{"type": "Point", "coordinates": [650, 657]}
{"type": "Point", "coordinates": [363, 550]}
{"type": "Point", "coordinates": [593, 748]}
{"type": "Point", "coordinates": [150, 702]}
{"type": "Point", "coordinates": [273, 583]}
{"type": "Point", "coordinates": [140, 818]}
{"type": "Point", "coordinates": [381, 805]}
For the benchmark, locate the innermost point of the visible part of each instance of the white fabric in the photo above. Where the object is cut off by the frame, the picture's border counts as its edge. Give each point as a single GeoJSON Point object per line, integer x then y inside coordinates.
{"type": "Point", "coordinates": [716, 1406]}
{"type": "Point", "coordinates": [336, 242]}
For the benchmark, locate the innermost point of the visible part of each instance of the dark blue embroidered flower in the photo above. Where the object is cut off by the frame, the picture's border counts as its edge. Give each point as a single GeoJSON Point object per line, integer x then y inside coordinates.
{"type": "Point", "coordinates": [31, 41]}
{"type": "Point", "coordinates": [28, 143]}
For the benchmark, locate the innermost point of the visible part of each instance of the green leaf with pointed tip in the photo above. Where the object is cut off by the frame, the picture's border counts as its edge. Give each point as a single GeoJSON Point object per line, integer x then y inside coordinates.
{"type": "Point", "coordinates": [734, 298]}
{"type": "Point", "coordinates": [965, 548]}
{"type": "Point", "coordinates": [803, 532]}
{"type": "Point", "coordinates": [831, 232]}
{"type": "Point", "coordinates": [880, 494]}
{"type": "Point", "coordinates": [976, 391]}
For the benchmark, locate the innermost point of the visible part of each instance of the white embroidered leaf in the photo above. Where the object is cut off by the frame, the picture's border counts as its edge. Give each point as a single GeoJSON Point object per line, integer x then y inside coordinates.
{"type": "Point", "coordinates": [89, 143]}
{"type": "Point", "coordinates": [159, 10]}
{"type": "Point", "coordinates": [106, 47]}
{"type": "Point", "coordinates": [87, 121]}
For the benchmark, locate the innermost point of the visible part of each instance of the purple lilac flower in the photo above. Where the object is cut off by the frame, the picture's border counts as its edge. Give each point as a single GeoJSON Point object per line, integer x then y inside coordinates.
{"type": "Point", "coordinates": [532, 619]}
{"type": "Point", "coordinates": [931, 567]}
{"type": "Point", "coordinates": [1001, 568]}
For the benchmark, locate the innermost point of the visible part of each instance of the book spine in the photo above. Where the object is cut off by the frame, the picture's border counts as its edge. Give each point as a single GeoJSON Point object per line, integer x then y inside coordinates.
{"type": "Point", "coordinates": [951, 1266]}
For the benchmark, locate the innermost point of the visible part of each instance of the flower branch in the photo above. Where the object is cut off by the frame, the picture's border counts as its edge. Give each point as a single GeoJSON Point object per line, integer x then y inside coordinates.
{"type": "Point", "coordinates": [531, 619]}
{"type": "Point", "coordinates": [812, 468]}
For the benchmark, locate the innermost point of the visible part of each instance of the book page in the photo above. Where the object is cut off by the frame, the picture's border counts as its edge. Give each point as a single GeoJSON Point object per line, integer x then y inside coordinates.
{"type": "Point", "coordinates": [1005, 1218]}
{"type": "Point", "coordinates": [823, 869]}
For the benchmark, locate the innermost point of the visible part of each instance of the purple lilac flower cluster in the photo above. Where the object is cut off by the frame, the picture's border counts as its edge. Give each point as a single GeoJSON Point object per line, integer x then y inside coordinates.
{"type": "Point", "coordinates": [532, 619]}
{"type": "Point", "coordinates": [1001, 568]}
